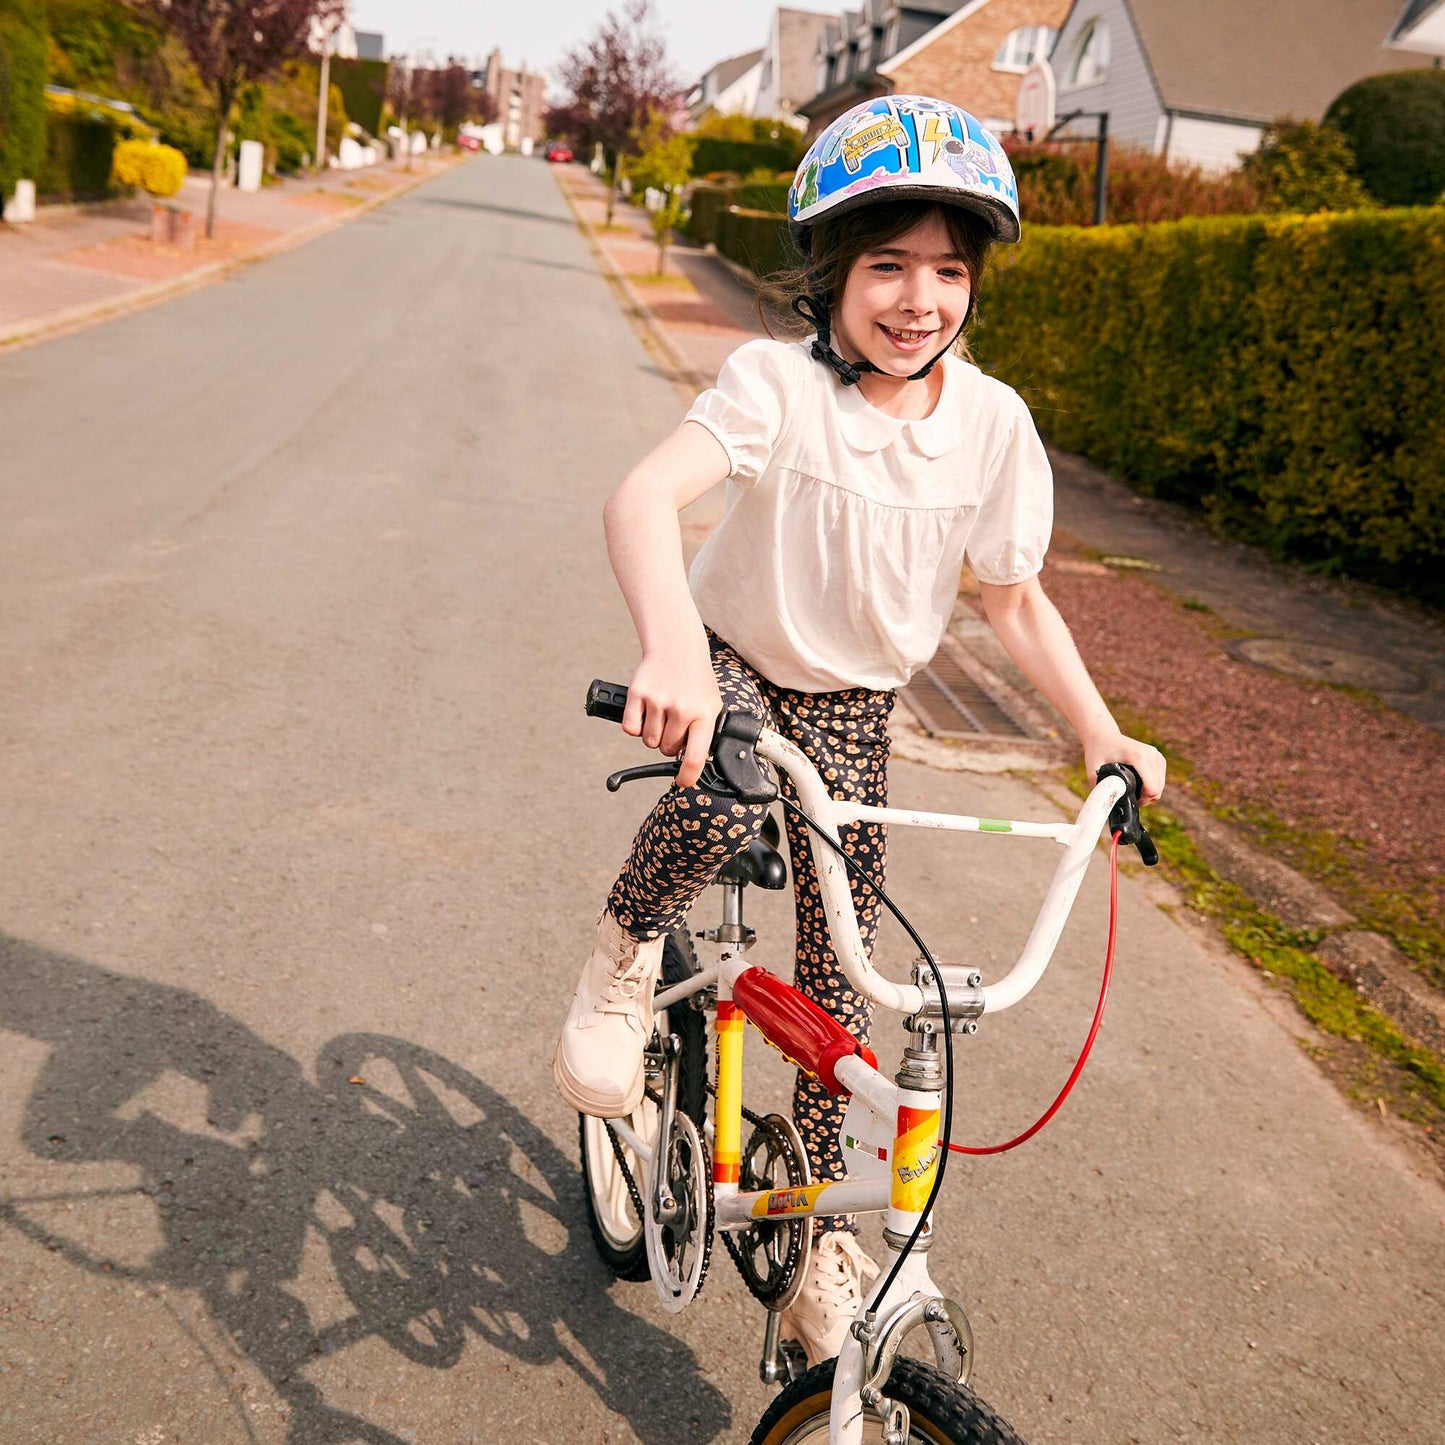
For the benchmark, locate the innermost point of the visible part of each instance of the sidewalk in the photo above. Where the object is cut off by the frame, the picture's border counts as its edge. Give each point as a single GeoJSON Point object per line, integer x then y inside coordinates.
{"type": "Point", "coordinates": [76, 264]}
{"type": "Point", "coordinates": [1304, 718]}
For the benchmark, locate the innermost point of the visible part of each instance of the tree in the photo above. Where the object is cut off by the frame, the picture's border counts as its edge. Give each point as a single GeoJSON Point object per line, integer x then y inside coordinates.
{"type": "Point", "coordinates": [1395, 124]}
{"type": "Point", "coordinates": [451, 96]}
{"type": "Point", "coordinates": [236, 42]}
{"type": "Point", "coordinates": [1301, 166]}
{"type": "Point", "coordinates": [614, 82]}
{"type": "Point", "coordinates": [663, 166]}
{"type": "Point", "coordinates": [22, 93]}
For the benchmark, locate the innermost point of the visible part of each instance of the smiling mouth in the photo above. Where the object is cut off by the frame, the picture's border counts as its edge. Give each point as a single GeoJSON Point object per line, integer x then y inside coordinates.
{"type": "Point", "coordinates": [908, 339]}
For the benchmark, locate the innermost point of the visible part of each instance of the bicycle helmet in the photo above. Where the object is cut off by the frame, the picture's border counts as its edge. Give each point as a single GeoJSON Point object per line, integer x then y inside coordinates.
{"type": "Point", "coordinates": [898, 148]}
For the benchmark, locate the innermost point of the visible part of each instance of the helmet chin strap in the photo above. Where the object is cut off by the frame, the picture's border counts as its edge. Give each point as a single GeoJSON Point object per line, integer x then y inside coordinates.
{"type": "Point", "coordinates": [814, 311]}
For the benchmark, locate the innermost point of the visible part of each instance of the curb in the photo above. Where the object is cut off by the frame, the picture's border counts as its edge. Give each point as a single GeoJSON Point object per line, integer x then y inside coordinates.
{"type": "Point", "coordinates": [679, 372]}
{"type": "Point", "coordinates": [78, 318]}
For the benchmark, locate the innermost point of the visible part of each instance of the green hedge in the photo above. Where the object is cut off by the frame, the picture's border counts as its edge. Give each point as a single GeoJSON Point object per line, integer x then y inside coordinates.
{"type": "Point", "coordinates": [706, 204]}
{"type": "Point", "coordinates": [1282, 373]}
{"type": "Point", "coordinates": [710, 200]}
{"type": "Point", "coordinates": [363, 87]}
{"type": "Point", "coordinates": [22, 92]}
{"type": "Point", "coordinates": [763, 196]}
{"type": "Point", "coordinates": [741, 157]}
{"type": "Point", "coordinates": [78, 154]}
{"type": "Point", "coordinates": [755, 239]}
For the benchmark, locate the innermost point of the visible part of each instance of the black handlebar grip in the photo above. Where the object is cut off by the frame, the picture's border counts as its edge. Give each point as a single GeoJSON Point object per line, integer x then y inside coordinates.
{"type": "Point", "coordinates": [607, 700]}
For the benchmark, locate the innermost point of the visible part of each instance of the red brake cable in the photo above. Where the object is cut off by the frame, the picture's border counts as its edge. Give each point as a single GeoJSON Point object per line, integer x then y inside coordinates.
{"type": "Point", "coordinates": [1093, 1028]}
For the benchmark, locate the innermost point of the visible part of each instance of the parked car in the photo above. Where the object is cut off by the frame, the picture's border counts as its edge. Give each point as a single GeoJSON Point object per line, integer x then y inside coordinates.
{"type": "Point", "coordinates": [468, 143]}
{"type": "Point", "coordinates": [559, 151]}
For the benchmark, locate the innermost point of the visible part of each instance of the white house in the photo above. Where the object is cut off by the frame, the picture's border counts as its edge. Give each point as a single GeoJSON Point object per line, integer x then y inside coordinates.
{"type": "Point", "coordinates": [1198, 80]}
{"type": "Point", "coordinates": [1421, 28]}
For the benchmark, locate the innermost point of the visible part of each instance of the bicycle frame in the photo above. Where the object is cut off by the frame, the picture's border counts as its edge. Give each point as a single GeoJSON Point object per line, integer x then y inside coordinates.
{"type": "Point", "coordinates": [892, 1128]}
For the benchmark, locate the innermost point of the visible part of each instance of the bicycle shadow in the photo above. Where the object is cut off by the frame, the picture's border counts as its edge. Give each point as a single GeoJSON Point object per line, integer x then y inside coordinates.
{"type": "Point", "coordinates": [427, 1189]}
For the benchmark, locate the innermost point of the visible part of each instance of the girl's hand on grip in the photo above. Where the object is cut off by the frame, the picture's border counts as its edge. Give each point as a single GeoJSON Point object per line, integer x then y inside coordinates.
{"type": "Point", "coordinates": [673, 705]}
{"type": "Point", "coordinates": [1147, 761]}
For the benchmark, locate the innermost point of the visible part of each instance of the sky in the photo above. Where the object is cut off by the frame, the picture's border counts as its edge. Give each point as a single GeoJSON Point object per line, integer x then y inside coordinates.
{"type": "Point", "coordinates": [699, 32]}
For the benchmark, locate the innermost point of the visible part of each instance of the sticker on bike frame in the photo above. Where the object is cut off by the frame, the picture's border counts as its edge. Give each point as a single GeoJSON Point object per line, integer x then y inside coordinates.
{"type": "Point", "coordinates": [994, 825]}
{"type": "Point", "coordinates": [915, 1157]}
{"type": "Point", "coordinates": [863, 1147]}
{"type": "Point", "coordinates": [781, 1202]}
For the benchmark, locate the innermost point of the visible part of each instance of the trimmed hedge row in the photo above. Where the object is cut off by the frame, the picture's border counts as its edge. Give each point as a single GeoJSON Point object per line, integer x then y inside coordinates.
{"type": "Point", "coordinates": [709, 200]}
{"type": "Point", "coordinates": [22, 92]}
{"type": "Point", "coordinates": [755, 239]}
{"type": "Point", "coordinates": [78, 158]}
{"type": "Point", "coordinates": [741, 157]}
{"type": "Point", "coordinates": [1282, 373]}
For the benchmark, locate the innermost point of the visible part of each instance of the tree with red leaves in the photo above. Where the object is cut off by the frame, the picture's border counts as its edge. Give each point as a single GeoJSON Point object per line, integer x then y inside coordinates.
{"type": "Point", "coordinates": [236, 42]}
{"type": "Point", "coordinates": [615, 81]}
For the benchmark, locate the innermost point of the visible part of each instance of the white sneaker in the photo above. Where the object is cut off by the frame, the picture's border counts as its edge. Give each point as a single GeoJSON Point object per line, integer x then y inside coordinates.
{"type": "Point", "coordinates": [598, 1066]}
{"type": "Point", "coordinates": [831, 1296]}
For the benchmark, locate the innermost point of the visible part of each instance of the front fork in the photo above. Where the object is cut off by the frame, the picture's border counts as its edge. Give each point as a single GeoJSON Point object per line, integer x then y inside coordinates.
{"type": "Point", "coordinates": [866, 1359]}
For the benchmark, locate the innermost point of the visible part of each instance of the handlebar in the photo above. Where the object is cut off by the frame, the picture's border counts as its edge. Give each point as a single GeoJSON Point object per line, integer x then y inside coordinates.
{"type": "Point", "coordinates": [742, 747]}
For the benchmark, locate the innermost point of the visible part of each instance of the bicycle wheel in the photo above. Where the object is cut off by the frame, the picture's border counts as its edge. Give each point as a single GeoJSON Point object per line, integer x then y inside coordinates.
{"type": "Point", "coordinates": [941, 1412]}
{"type": "Point", "coordinates": [611, 1214]}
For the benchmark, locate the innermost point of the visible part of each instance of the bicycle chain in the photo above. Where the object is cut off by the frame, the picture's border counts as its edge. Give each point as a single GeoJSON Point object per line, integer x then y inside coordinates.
{"type": "Point", "coordinates": [795, 1232]}
{"type": "Point", "coordinates": [633, 1192]}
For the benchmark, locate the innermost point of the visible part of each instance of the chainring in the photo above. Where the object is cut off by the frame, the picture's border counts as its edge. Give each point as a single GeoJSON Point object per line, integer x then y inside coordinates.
{"type": "Point", "coordinates": [679, 1247]}
{"type": "Point", "coordinates": [772, 1254]}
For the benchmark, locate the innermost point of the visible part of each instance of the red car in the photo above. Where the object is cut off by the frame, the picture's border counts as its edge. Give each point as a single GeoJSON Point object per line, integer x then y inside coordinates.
{"type": "Point", "coordinates": [558, 151]}
{"type": "Point", "coordinates": [468, 143]}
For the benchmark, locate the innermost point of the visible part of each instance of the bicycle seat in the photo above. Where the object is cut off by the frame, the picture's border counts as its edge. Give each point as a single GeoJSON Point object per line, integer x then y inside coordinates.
{"type": "Point", "coordinates": [760, 863]}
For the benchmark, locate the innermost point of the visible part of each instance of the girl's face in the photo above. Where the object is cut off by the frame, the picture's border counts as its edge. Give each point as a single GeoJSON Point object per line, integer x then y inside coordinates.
{"type": "Point", "coordinates": [905, 302]}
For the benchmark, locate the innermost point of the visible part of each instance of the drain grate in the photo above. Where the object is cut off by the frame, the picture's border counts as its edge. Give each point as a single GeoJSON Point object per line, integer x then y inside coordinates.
{"type": "Point", "coordinates": [949, 702]}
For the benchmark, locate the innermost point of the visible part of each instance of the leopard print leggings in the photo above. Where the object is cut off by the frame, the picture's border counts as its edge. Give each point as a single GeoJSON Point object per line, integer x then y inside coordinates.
{"type": "Point", "coordinates": [690, 834]}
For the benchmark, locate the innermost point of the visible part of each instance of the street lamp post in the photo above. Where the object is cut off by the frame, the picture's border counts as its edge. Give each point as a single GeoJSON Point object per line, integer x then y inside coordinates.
{"type": "Point", "coordinates": [323, 101]}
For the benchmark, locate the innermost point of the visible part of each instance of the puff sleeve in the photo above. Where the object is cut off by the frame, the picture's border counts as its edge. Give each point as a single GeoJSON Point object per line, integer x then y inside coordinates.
{"type": "Point", "coordinates": [747, 408]}
{"type": "Point", "coordinates": [1016, 517]}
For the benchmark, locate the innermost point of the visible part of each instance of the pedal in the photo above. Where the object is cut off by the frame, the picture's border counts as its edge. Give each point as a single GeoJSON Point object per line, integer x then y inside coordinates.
{"type": "Point", "coordinates": [783, 1360]}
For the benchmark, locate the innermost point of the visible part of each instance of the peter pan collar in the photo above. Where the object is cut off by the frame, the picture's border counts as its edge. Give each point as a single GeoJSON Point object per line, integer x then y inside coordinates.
{"type": "Point", "coordinates": [866, 429]}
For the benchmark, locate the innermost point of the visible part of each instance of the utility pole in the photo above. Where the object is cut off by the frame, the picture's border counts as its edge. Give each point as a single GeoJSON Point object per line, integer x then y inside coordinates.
{"type": "Point", "coordinates": [1101, 163]}
{"type": "Point", "coordinates": [322, 101]}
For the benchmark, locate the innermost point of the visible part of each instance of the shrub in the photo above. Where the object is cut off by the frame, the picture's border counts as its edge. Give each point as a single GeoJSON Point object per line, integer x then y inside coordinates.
{"type": "Point", "coordinates": [1281, 373]}
{"type": "Point", "coordinates": [758, 240]}
{"type": "Point", "coordinates": [1056, 187]}
{"type": "Point", "coordinates": [157, 169]}
{"type": "Point", "coordinates": [743, 156]}
{"type": "Point", "coordinates": [1301, 166]}
{"type": "Point", "coordinates": [363, 90]}
{"type": "Point", "coordinates": [1395, 124]}
{"type": "Point", "coordinates": [770, 195]}
{"type": "Point", "coordinates": [22, 92]}
{"type": "Point", "coordinates": [78, 151]}
{"type": "Point", "coordinates": [708, 202]}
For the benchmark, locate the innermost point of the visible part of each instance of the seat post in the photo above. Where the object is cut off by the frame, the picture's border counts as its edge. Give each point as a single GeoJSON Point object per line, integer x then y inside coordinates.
{"type": "Point", "coordinates": [733, 929]}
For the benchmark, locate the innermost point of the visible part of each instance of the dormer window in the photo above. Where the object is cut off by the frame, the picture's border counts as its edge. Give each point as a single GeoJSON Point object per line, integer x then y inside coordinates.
{"type": "Point", "coordinates": [1091, 57]}
{"type": "Point", "coordinates": [1023, 46]}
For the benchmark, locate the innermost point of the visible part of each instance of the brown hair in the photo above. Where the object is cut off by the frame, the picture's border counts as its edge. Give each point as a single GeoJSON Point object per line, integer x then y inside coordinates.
{"type": "Point", "coordinates": [836, 243]}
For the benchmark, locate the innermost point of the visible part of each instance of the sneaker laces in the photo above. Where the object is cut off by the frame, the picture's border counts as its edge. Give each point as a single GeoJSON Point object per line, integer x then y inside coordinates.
{"type": "Point", "coordinates": [624, 983]}
{"type": "Point", "coordinates": [838, 1273]}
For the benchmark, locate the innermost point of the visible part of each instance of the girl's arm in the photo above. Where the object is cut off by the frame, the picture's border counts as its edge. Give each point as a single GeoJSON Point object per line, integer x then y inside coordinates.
{"type": "Point", "coordinates": [673, 700]}
{"type": "Point", "coordinates": [1034, 635]}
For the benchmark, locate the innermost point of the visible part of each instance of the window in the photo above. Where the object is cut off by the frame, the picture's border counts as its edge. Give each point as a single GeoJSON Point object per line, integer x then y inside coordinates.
{"type": "Point", "coordinates": [1023, 46]}
{"type": "Point", "coordinates": [1091, 59]}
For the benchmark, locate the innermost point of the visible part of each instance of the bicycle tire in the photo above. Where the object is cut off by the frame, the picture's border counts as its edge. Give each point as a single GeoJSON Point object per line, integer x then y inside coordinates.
{"type": "Point", "coordinates": [941, 1412]}
{"type": "Point", "coordinates": [611, 1218]}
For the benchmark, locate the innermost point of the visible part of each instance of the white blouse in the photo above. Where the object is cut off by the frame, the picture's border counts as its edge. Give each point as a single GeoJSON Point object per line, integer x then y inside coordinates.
{"type": "Point", "coordinates": [845, 530]}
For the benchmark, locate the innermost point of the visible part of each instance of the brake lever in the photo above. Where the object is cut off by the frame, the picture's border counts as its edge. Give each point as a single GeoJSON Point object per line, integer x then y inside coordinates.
{"type": "Point", "coordinates": [649, 770]}
{"type": "Point", "coordinates": [1124, 818]}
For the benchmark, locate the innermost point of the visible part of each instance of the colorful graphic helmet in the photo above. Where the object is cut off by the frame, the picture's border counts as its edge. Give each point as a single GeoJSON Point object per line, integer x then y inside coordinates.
{"type": "Point", "coordinates": [906, 147]}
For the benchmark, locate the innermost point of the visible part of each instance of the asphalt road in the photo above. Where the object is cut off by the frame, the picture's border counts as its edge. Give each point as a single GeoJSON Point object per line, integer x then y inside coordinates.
{"type": "Point", "coordinates": [301, 579]}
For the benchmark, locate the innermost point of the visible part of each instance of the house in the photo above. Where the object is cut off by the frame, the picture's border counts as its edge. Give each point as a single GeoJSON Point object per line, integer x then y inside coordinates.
{"type": "Point", "coordinates": [729, 88]}
{"type": "Point", "coordinates": [785, 80]}
{"type": "Point", "coordinates": [970, 52]}
{"type": "Point", "coordinates": [1199, 82]}
{"type": "Point", "coordinates": [520, 97]}
{"type": "Point", "coordinates": [1421, 28]}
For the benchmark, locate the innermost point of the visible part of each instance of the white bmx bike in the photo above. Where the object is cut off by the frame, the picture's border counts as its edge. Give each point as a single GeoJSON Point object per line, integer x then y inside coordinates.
{"type": "Point", "coordinates": [663, 1182]}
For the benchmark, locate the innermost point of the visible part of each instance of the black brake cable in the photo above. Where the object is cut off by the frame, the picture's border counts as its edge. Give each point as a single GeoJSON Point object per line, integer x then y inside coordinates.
{"type": "Point", "coordinates": [859, 871]}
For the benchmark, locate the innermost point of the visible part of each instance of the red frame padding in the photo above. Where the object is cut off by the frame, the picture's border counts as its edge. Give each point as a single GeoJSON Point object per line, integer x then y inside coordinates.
{"type": "Point", "coordinates": [804, 1033]}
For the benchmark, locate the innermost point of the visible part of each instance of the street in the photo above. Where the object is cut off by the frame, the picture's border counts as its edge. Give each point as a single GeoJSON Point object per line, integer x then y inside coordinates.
{"type": "Point", "coordinates": [302, 580]}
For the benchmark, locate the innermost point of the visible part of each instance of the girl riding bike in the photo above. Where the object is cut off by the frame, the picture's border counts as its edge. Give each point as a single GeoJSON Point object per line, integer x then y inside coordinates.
{"type": "Point", "coordinates": [866, 464]}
